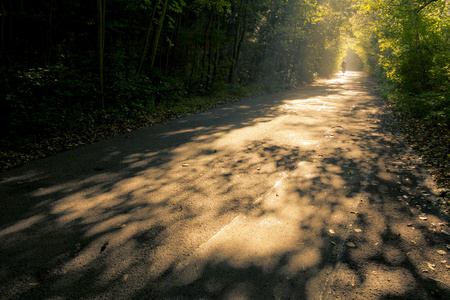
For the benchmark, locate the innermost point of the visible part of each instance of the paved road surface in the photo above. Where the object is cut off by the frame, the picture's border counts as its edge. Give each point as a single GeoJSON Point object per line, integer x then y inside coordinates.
{"type": "Point", "coordinates": [306, 194]}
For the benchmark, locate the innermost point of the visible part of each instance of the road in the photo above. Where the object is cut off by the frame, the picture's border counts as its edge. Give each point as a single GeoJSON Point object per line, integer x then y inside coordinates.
{"type": "Point", "coordinates": [306, 194]}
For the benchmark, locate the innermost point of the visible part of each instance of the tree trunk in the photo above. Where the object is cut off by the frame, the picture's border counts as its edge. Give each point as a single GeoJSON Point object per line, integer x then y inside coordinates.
{"type": "Point", "coordinates": [7, 35]}
{"type": "Point", "coordinates": [101, 46]}
{"type": "Point", "coordinates": [217, 54]}
{"type": "Point", "coordinates": [175, 43]}
{"type": "Point", "coordinates": [3, 38]}
{"type": "Point", "coordinates": [158, 34]}
{"type": "Point", "coordinates": [194, 63]}
{"type": "Point", "coordinates": [205, 42]}
{"type": "Point", "coordinates": [239, 37]}
{"type": "Point", "coordinates": [48, 55]}
{"type": "Point", "coordinates": [147, 37]}
{"type": "Point", "coordinates": [210, 54]}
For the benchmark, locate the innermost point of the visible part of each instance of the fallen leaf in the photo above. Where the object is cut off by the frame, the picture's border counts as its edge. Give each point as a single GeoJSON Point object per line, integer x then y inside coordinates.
{"type": "Point", "coordinates": [445, 231]}
{"type": "Point", "coordinates": [357, 230]}
{"type": "Point", "coordinates": [351, 245]}
{"type": "Point", "coordinates": [410, 225]}
{"type": "Point", "coordinates": [125, 277]}
{"type": "Point", "coordinates": [331, 231]}
{"type": "Point", "coordinates": [431, 266]}
{"type": "Point", "coordinates": [34, 283]}
{"type": "Point", "coordinates": [443, 261]}
{"type": "Point", "coordinates": [104, 247]}
{"type": "Point", "coordinates": [185, 165]}
{"type": "Point", "coordinates": [423, 218]}
{"type": "Point", "coordinates": [441, 252]}
{"type": "Point", "coordinates": [447, 246]}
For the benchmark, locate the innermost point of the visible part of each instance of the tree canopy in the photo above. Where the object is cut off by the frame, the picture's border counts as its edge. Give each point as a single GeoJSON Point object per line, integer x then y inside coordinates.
{"type": "Point", "coordinates": [408, 42]}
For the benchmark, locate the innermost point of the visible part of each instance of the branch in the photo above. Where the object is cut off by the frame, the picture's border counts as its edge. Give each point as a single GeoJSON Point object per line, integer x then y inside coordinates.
{"type": "Point", "coordinates": [425, 5]}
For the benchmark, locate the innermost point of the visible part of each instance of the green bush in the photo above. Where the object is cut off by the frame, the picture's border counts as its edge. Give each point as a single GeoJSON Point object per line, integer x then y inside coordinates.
{"type": "Point", "coordinates": [45, 100]}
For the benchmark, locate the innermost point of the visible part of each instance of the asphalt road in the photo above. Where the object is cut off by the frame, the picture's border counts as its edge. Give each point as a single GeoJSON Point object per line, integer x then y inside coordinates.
{"type": "Point", "coordinates": [305, 194]}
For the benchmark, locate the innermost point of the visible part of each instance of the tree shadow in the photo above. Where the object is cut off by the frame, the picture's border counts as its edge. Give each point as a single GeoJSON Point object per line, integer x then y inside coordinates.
{"type": "Point", "coordinates": [133, 217]}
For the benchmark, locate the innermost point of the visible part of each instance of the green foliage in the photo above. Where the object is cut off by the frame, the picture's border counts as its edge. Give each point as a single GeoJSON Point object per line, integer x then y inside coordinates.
{"type": "Point", "coordinates": [409, 40]}
{"type": "Point", "coordinates": [405, 43]}
{"type": "Point", "coordinates": [65, 69]}
{"type": "Point", "coordinates": [46, 99]}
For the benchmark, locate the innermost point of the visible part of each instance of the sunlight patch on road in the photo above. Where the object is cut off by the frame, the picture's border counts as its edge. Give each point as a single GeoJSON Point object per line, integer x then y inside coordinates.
{"type": "Point", "coordinates": [168, 134]}
{"type": "Point", "coordinates": [385, 280]}
{"type": "Point", "coordinates": [309, 104]}
{"type": "Point", "coordinates": [249, 242]}
{"type": "Point", "coordinates": [351, 93]}
{"type": "Point", "coordinates": [22, 225]}
{"type": "Point", "coordinates": [340, 79]}
{"type": "Point", "coordinates": [307, 143]}
{"type": "Point", "coordinates": [303, 260]}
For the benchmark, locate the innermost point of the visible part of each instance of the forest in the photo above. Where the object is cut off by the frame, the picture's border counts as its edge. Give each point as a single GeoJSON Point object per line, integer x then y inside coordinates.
{"type": "Point", "coordinates": [75, 72]}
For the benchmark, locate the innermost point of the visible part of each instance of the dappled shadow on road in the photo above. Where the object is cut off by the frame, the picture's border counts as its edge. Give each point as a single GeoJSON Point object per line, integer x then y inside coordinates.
{"type": "Point", "coordinates": [340, 226]}
{"type": "Point", "coordinates": [293, 175]}
{"type": "Point", "coordinates": [121, 212]}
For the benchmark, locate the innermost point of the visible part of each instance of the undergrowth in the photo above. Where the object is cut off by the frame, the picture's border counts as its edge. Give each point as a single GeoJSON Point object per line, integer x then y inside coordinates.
{"type": "Point", "coordinates": [47, 116]}
{"type": "Point", "coordinates": [425, 121]}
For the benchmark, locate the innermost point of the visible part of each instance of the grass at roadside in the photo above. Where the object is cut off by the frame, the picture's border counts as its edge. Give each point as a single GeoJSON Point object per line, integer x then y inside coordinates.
{"type": "Point", "coordinates": [24, 148]}
{"type": "Point", "coordinates": [425, 122]}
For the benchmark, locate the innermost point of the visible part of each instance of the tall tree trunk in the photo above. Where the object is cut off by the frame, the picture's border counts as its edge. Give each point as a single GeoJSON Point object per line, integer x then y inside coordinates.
{"type": "Point", "coordinates": [194, 63]}
{"type": "Point", "coordinates": [205, 41]}
{"type": "Point", "coordinates": [48, 55]}
{"type": "Point", "coordinates": [175, 43]}
{"type": "Point", "coordinates": [217, 54]}
{"type": "Point", "coordinates": [147, 37]}
{"type": "Point", "coordinates": [158, 34]}
{"type": "Point", "coordinates": [238, 38]}
{"type": "Point", "coordinates": [210, 53]}
{"type": "Point", "coordinates": [7, 36]}
{"type": "Point", "coordinates": [3, 53]}
{"type": "Point", "coordinates": [101, 46]}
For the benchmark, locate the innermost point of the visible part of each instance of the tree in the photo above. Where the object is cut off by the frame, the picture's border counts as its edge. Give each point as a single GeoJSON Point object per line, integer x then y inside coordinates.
{"type": "Point", "coordinates": [147, 35]}
{"type": "Point", "coordinates": [101, 5]}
